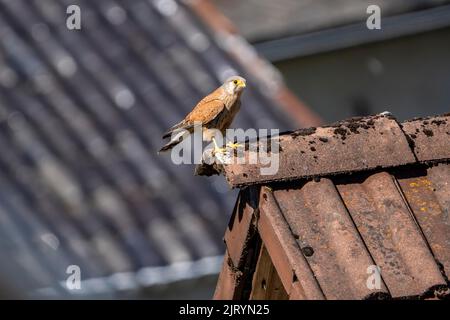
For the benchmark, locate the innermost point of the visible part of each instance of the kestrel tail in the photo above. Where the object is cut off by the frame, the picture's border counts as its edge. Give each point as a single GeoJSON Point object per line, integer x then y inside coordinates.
{"type": "Point", "coordinates": [216, 111]}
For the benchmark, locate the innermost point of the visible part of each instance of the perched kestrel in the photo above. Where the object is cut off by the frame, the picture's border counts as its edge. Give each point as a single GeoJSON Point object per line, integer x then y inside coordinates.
{"type": "Point", "coordinates": [215, 111]}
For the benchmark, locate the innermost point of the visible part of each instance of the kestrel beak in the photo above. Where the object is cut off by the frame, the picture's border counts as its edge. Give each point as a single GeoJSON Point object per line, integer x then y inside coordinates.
{"type": "Point", "coordinates": [241, 83]}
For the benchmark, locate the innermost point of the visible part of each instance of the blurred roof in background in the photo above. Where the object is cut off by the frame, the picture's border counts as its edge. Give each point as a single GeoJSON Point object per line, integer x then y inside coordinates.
{"type": "Point", "coordinates": [81, 118]}
{"type": "Point", "coordinates": [289, 28]}
{"type": "Point", "coordinates": [260, 20]}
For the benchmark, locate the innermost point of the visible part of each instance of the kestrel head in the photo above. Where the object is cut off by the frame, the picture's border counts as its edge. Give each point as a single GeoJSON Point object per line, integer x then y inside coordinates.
{"type": "Point", "coordinates": [234, 85]}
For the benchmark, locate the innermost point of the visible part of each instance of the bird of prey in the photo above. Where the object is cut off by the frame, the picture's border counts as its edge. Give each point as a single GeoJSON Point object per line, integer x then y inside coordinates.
{"type": "Point", "coordinates": [215, 111]}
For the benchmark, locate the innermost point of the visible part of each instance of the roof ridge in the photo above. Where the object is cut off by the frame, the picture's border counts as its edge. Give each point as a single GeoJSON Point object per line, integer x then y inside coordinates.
{"type": "Point", "coordinates": [351, 145]}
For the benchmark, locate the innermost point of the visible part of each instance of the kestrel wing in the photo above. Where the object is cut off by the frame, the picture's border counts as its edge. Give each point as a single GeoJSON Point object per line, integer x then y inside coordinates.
{"type": "Point", "coordinates": [206, 112]}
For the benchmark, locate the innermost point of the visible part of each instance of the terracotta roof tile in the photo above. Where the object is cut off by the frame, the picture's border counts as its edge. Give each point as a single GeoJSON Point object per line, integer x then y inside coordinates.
{"type": "Point", "coordinates": [377, 201]}
{"type": "Point", "coordinates": [429, 137]}
{"type": "Point", "coordinates": [428, 197]}
{"type": "Point", "coordinates": [352, 145]}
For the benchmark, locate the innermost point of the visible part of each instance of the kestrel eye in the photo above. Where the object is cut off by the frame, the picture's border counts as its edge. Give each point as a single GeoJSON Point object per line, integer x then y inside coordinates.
{"type": "Point", "coordinates": [235, 81]}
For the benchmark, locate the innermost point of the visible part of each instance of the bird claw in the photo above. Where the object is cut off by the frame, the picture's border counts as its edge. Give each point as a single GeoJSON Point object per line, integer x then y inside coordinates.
{"type": "Point", "coordinates": [219, 151]}
{"type": "Point", "coordinates": [234, 146]}
{"type": "Point", "coordinates": [223, 155]}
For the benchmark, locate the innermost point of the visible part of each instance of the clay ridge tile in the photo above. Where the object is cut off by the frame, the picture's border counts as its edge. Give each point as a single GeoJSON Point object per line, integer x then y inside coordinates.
{"type": "Point", "coordinates": [348, 146]}
{"type": "Point", "coordinates": [352, 145]}
{"type": "Point", "coordinates": [429, 137]}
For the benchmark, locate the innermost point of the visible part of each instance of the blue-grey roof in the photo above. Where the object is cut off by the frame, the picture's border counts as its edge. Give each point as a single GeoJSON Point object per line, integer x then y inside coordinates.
{"type": "Point", "coordinates": [81, 118]}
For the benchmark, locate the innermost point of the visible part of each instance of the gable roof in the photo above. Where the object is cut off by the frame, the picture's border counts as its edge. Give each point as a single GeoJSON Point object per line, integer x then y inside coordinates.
{"type": "Point", "coordinates": [378, 195]}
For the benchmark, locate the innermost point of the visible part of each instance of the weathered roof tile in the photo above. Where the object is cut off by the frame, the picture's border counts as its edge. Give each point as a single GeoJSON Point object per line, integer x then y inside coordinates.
{"type": "Point", "coordinates": [354, 145]}
{"type": "Point", "coordinates": [430, 137]}
{"type": "Point", "coordinates": [428, 196]}
{"type": "Point", "coordinates": [368, 207]}
{"type": "Point", "coordinates": [391, 235]}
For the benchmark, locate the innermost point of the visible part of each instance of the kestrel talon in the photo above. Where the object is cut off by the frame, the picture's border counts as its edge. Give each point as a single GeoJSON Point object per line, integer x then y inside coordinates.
{"type": "Point", "coordinates": [216, 111]}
